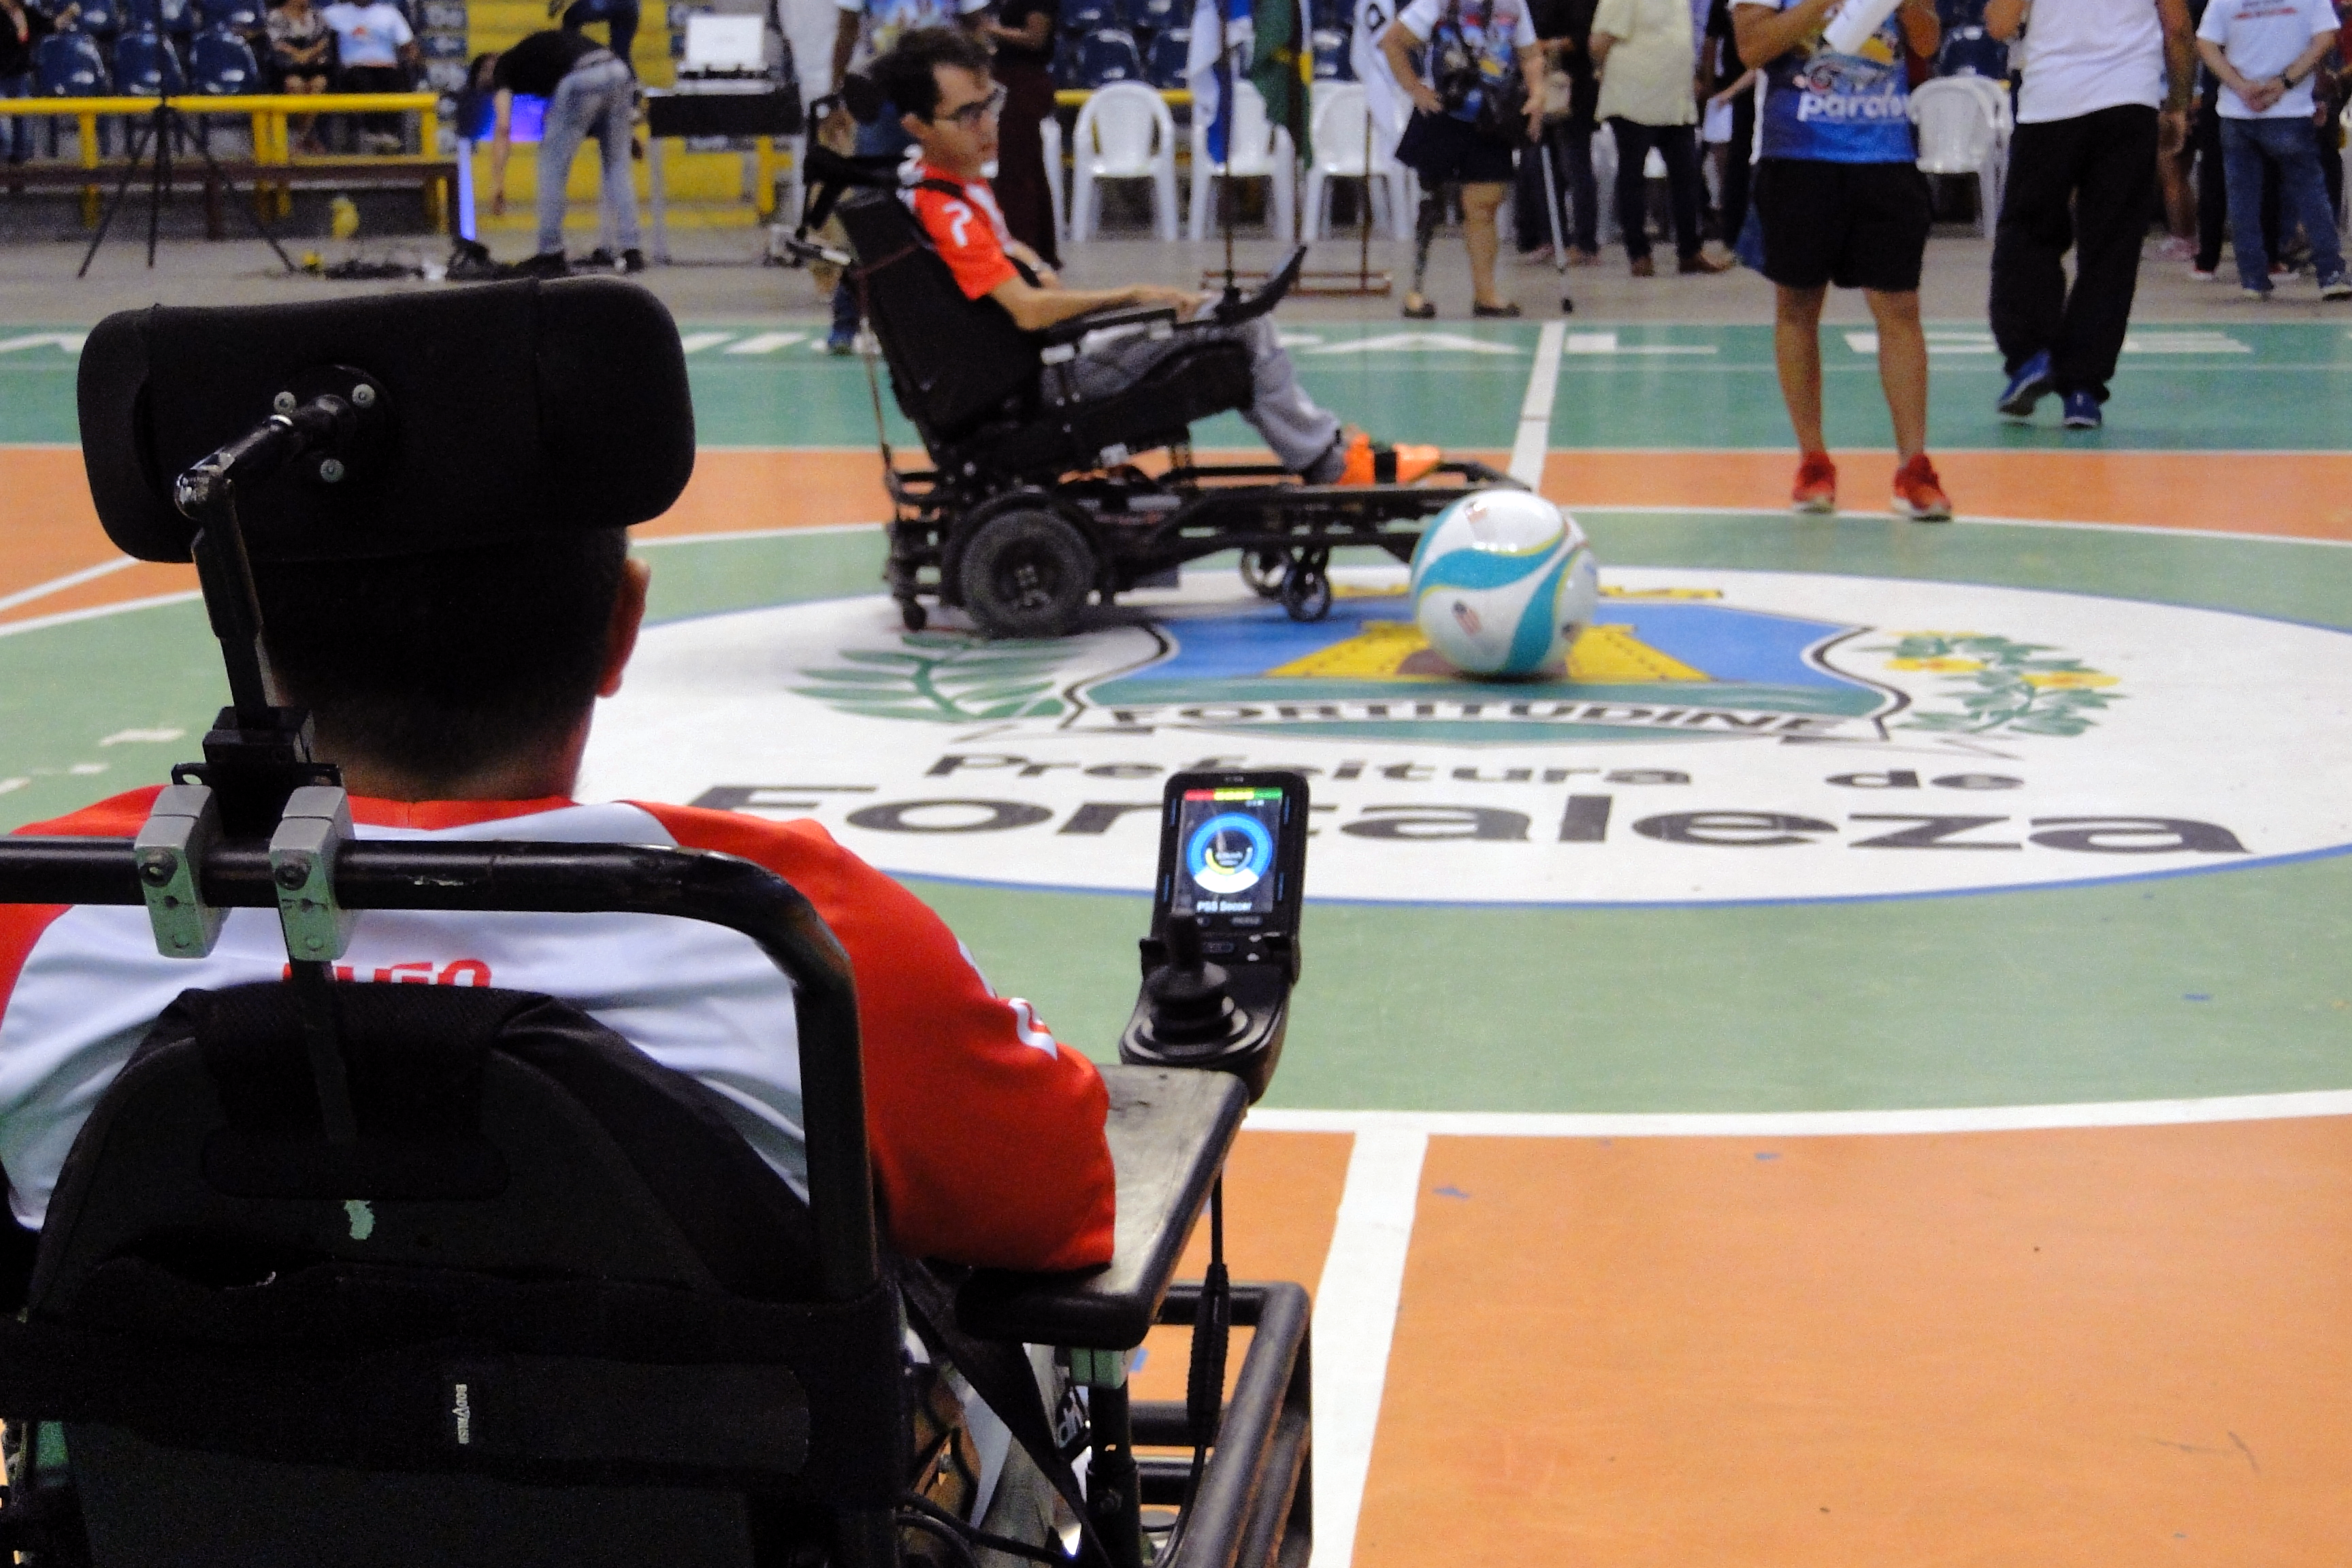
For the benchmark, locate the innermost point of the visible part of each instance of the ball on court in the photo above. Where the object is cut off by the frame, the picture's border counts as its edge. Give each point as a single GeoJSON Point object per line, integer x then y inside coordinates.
{"type": "Point", "coordinates": [1504, 583]}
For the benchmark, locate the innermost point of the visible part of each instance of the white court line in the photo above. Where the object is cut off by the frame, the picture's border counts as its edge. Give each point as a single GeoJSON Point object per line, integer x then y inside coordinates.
{"type": "Point", "coordinates": [1534, 438]}
{"type": "Point", "coordinates": [1355, 1322]}
{"type": "Point", "coordinates": [1790, 1124]}
{"type": "Point", "coordinates": [59, 584]}
{"type": "Point", "coordinates": [67, 617]}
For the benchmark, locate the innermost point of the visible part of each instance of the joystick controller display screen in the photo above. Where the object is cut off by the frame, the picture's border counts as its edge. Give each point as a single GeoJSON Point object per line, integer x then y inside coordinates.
{"type": "Point", "coordinates": [1229, 869]}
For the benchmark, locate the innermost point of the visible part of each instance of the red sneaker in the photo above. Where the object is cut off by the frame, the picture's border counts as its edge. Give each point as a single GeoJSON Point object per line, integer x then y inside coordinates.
{"type": "Point", "coordinates": [1919, 494]}
{"type": "Point", "coordinates": [1372, 463]}
{"type": "Point", "coordinates": [1816, 489]}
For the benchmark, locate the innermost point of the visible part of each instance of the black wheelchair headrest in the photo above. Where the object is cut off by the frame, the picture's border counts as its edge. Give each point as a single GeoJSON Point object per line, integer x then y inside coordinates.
{"type": "Point", "coordinates": [513, 410]}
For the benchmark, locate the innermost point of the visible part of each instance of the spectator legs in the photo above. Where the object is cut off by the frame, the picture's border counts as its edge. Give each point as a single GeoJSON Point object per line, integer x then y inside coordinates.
{"type": "Point", "coordinates": [2212, 190]}
{"type": "Point", "coordinates": [2292, 147]}
{"type": "Point", "coordinates": [592, 100]}
{"type": "Point", "coordinates": [1678, 146]}
{"type": "Point", "coordinates": [1737, 167]}
{"type": "Point", "coordinates": [1632, 186]}
{"type": "Point", "coordinates": [2103, 163]}
{"type": "Point", "coordinates": [1685, 186]}
{"type": "Point", "coordinates": [1480, 203]}
{"type": "Point", "coordinates": [20, 136]}
{"type": "Point", "coordinates": [620, 16]}
{"type": "Point", "coordinates": [613, 130]}
{"type": "Point", "coordinates": [1572, 151]}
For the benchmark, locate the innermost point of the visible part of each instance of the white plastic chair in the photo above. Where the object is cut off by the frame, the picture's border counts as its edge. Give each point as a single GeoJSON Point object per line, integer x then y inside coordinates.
{"type": "Point", "coordinates": [1258, 150]}
{"type": "Point", "coordinates": [1343, 129]}
{"type": "Point", "coordinates": [1960, 133]}
{"type": "Point", "coordinates": [1049, 132]}
{"type": "Point", "coordinates": [1124, 133]}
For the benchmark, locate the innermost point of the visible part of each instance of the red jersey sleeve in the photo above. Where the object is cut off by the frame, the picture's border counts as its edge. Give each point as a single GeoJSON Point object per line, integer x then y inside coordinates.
{"type": "Point", "coordinates": [966, 240]}
{"type": "Point", "coordinates": [21, 925]}
{"type": "Point", "coordinates": [987, 1133]}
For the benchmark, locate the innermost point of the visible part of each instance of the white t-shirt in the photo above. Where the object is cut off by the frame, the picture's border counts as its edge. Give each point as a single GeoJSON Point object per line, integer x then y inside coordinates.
{"type": "Point", "coordinates": [2262, 39]}
{"type": "Point", "coordinates": [2082, 56]}
{"type": "Point", "coordinates": [368, 34]}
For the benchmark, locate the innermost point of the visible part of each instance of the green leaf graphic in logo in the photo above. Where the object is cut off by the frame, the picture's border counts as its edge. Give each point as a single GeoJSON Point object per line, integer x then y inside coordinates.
{"type": "Point", "coordinates": [943, 678]}
{"type": "Point", "coordinates": [1999, 685]}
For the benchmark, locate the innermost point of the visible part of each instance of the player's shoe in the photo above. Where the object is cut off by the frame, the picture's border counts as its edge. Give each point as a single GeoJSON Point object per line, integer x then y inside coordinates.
{"type": "Point", "coordinates": [1370, 462]}
{"type": "Point", "coordinates": [1919, 494]}
{"type": "Point", "coordinates": [2083, 411]}
{"type": "Point", "coordinates": [1816, 487]}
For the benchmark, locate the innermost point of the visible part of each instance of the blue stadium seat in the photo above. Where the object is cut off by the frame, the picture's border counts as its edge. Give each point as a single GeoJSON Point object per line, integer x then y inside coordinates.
{"type": "Point", "coordinates": [158, 16]}
{"type": "Point", "coordinates": [103, 18]}
{"type": "Point", "coordinates": [1155, 17]}
{"type": "Point", "coordinates": [222, 64]}
{"type": "Point", "coordinates": [1084, 17]}
{"type": "Point", "coordinates": [69, 65]}
{"type": "Point", "coordinates": [145, 66]}
{"type": "Point", "coordinates": [1108, 54]}
{"type": "Point", "coordinates": [1172, 51]}
{"type": "Point", "coordinates": [1972, 51]}
{"type": "Point", "coordinates": [244, 16]}
{"type": "Point", "coordinates": [1331, 58]}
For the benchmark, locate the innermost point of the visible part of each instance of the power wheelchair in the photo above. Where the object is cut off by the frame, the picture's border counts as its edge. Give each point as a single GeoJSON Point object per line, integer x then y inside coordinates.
{"type": "Point", "coordinates": [359, 1274]}
{"type": "Point", "coordinates": [1035, 501]}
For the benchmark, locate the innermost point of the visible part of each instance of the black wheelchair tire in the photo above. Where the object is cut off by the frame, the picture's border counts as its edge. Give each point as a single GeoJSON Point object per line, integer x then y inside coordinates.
{"type": "Point", "coordinates": [1262, 569]}
{"type": "Point", "coordinates": [1026, 575]}
{"type": "Point", "coordinates": [1306, 592]}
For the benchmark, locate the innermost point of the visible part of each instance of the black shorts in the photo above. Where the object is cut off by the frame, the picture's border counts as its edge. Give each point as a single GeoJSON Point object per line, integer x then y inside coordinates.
{"type": "Point", "coordinates": [1858, 226]}
{"type": "Point", "coordinates": [1439, 147]}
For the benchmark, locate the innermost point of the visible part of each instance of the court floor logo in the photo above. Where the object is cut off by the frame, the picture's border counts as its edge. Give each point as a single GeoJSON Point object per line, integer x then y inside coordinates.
{"type": "Point", "coordinates": [1717, 736]}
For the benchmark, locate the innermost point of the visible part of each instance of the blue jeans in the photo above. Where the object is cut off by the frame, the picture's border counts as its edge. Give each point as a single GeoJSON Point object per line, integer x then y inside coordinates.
{"type": "Point", "coordinates": [2291, 146]}
{"type": "Point", "coordinates": [20, 140]}
{"type": "Point", "coordinates": [883, 137]}
{"type": "Point", "coordinates": [593, 99]}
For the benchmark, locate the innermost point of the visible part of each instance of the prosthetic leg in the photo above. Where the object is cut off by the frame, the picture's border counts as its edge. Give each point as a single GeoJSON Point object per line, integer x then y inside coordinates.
{"type": "Point", "coordinates": [1424, 229]}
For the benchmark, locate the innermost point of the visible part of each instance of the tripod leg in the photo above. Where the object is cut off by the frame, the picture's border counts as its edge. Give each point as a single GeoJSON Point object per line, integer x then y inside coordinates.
{"type": "Point", "coordinates": [159, 177]}
{"type": "Point", "coordinates": [114, 204]}
{"type": "Point", "coordinates": [250, 209]}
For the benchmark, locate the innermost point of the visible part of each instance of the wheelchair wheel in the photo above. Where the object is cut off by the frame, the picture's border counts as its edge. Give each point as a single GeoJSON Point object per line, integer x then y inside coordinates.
{"type": "Point", "coordinates": [1263, 571]}
{"type": "Point", "coordinates": [1306, 591]}
{"type": "Point", "coordinates": [1026, 575]}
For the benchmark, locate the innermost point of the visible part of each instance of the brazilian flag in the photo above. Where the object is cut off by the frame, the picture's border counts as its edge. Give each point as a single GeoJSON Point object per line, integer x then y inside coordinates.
{"type": "Point", "coordinates": [1282, 62]}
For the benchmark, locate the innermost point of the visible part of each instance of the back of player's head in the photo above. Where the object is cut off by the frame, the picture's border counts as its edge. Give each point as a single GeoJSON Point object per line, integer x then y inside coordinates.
{"type": "Point", "coordinates": [439, 667]}
{"type": "Point", "coordinates": [909, 74]}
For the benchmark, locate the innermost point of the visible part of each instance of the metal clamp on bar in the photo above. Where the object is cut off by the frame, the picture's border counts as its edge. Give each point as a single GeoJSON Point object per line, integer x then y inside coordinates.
{"type": "Point", "coordinates": [302, 855]}
{"type": "Point", "coordinates": [170, 852]}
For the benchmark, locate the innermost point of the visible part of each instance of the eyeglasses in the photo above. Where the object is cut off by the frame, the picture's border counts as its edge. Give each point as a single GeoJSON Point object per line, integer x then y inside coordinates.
{"type": "Point", "coordinates": [971, 114]}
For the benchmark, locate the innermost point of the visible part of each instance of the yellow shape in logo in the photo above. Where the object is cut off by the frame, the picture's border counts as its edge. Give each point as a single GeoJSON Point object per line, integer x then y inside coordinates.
{"type": "Point", "coordinates": [1395, 650]}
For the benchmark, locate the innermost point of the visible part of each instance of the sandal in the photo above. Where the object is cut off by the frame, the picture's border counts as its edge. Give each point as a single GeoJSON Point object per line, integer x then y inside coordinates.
{"type": "Point", "coordinates": [1495, 313]}
{"type": "Point", "coordinates": [1424, 311]}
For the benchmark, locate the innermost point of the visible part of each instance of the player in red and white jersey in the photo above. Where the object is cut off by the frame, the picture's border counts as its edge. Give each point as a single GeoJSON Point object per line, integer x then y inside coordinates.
{"type": "Point", "coordinates": [938, 77]}
{"type": "Point", "coordinates": [466, 720]}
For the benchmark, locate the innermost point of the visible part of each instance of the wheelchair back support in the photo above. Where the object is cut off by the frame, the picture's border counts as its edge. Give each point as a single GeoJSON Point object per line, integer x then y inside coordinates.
{"type": "Point", "coordinates": [549, 1307]}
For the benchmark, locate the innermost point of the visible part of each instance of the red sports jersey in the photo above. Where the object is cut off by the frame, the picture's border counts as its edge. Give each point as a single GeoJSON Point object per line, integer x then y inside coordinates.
{"type": "Point", "coordinates": [968, 231]}
{"type": "Point", "coordinates": [987, 1134]}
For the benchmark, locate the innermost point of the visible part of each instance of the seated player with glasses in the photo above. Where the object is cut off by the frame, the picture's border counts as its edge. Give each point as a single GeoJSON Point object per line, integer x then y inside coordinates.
{"type": "Point", "coordinates": [939, 78]}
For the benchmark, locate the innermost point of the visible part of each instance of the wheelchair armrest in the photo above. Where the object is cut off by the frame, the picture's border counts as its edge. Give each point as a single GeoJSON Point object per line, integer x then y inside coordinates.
{"type": "Point", "coordinates": [1070, 331]}
{"type": "Point", "coordinates": [1170, 1130]}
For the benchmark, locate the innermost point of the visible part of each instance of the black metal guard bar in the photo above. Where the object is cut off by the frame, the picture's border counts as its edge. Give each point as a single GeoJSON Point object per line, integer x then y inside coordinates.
{"type": "Point", "coordinates": [1249, 1463]}
{"type": "Point", "coordinates": [572, 878]}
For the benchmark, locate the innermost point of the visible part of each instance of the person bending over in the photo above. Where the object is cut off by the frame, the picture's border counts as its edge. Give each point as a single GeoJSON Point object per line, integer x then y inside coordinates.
{"type": "Point", "coordinates": [590, 93]}
{"type": "Point", "coordinates": [938, 78]}
{"type": "Point", "coordinates": [456, 690]}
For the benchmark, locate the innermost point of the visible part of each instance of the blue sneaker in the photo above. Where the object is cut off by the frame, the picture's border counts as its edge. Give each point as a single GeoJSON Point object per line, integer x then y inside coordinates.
{"type": "Point", "coordinates": [2026, 388]}
{"type": "Point", "coordinates": [2083, 412]}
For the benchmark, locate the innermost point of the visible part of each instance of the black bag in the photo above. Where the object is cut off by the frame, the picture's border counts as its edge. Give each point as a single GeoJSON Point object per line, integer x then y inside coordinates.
{"type": "Point", "coordinates": [1455, 74]}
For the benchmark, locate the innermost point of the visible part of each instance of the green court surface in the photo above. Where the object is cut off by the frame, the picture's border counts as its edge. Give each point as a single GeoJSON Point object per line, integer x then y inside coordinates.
{"type": "Point", "coordinates": [2254, 387]}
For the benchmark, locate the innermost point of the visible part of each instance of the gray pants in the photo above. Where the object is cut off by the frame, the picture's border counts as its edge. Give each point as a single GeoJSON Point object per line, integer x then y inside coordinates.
{"type": "Point", "coordinates": [1305, 437]}
{"type": "Point", "coordinates": [593, 99]}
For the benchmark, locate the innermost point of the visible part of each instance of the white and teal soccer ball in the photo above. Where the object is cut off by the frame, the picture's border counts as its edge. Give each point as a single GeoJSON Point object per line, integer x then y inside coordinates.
{"type": "Point", "coordinates": [1504, 583]}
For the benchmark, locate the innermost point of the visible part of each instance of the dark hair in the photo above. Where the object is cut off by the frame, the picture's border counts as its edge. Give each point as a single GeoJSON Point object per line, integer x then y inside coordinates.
{"type": "Point", "coordinates": [906, 75]}
{"type": "Point", "coordinates": [441, 665]}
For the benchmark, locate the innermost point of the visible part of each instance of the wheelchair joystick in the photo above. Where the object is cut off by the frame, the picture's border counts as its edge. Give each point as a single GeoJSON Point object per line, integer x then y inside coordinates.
{"type": "Point", "coordinates": [1187, 1005]}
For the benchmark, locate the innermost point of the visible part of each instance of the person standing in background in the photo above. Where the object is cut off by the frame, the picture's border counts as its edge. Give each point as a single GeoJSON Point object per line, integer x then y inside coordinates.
{"type": "Point", "coordinates": [864, 31]}
{"type": "Point", "coordinates": [21, 30]}
{"type": "Point", "coordinates": [1564, 34]}
{"type": "Point", "coordinates": [1729, 93]}
{"type": "Point", "coordinates": [2082, 169]}
{"type": "Point", "coordinates": [2266, 53]}
{"type": "Point", "coordinates": [1647, 54]}
{"type": "Point", "coordinates": [1022, 32]}
{"type": "Point", "coordinates": [1841, 200]}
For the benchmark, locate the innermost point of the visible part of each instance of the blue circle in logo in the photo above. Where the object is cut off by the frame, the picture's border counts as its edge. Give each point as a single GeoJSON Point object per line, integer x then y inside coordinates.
{"type": "Point", "coordinates": [1229, 853]}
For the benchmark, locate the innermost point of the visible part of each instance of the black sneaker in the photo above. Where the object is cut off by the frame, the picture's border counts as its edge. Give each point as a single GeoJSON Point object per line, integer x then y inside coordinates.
{"type": "Point", "coordinates": [597, 261]}
{"type": "Point", "coordinates": [546, 264]}
{"type": "Point", "coordinates": [633, 261]}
